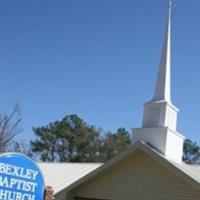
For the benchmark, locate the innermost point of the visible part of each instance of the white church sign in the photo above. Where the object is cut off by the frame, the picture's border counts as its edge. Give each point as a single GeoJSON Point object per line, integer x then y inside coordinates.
{"type": "Point", "coordinates": [20, 178]}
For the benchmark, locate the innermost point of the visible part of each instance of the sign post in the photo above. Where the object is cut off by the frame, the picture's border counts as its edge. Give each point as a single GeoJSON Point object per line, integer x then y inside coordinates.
{"type": "Point", "coordinates": [20, 178]}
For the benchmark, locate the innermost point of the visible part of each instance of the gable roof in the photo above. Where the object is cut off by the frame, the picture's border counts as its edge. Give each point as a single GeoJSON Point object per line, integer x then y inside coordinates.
{"type": "Point", "coordinates": [193, 171]}
{"type": "Point", "coordinates": [67, 176]}
{"type": "Point", "coordinates": [61, 175]}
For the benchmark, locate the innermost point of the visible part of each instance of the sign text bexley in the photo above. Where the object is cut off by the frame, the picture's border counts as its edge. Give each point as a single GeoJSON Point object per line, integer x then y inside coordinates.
{"type": "Point", "coordinates": [20, 179]}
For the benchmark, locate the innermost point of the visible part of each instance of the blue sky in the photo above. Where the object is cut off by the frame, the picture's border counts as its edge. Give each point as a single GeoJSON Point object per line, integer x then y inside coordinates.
{"type": "Point", "coordinates": [98, 59]}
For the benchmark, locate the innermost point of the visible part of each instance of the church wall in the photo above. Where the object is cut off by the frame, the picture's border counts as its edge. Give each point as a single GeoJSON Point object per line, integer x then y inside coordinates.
{"type": "Point", "coordinates": [63, 195]}
{"type": "Point", "coordinates": [138, 177]}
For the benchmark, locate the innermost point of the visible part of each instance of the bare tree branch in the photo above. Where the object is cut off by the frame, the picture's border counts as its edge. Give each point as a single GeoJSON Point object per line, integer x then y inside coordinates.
{"type": "Point", "coordinates": [9, 127]}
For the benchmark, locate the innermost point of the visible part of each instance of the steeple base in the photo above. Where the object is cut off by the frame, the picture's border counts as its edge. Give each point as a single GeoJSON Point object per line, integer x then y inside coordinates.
{"type": "Point", "coordinates": [160, 113]}
{"type": "Point", "coordinates": [163, 139]}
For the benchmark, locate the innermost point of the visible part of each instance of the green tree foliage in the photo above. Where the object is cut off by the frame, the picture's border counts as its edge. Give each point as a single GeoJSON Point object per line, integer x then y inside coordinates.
{"type": "Point", "coordinates": [114, 143]}
{"type": "Point", "coordinates": [191, 152]}
{"type": "Point", "coordinates": [72, 140]}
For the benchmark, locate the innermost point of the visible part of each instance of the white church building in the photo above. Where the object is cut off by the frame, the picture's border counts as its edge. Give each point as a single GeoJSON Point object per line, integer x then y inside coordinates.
{"type": "Point", "coordinates": [151, 169]}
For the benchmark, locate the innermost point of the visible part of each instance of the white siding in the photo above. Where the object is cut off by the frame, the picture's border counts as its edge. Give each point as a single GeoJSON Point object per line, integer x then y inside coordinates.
{"type": "Point", "coordinates": [137, 177]}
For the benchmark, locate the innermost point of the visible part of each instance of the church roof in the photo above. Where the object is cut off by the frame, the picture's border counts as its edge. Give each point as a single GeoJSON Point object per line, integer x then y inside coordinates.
{"type": "Point", "coordinates": [191, 170]}
{"type": "Point", "coordinates": [62, 175]}
{"type": "Point", "coordinates": [66, 176]}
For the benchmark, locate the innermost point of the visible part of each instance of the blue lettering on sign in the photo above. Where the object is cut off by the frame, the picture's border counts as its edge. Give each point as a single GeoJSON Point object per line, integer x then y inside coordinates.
{"type": "Point", "coordinates": [20, 178]}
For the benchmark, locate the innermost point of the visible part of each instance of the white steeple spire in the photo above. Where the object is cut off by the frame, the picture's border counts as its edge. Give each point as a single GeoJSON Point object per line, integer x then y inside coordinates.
{"type": "Point", "coordinates": [160, 116]}
{"type": "Point", "coordinates": [163, 84]}
{"type": "Point", "coordinates": [159, 112]}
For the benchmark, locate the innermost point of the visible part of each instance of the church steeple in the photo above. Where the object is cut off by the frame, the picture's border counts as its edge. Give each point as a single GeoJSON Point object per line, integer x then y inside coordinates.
{"type": "Point", "coordinates": [159, 112]}
{"type": "Point", "coordinates": [163, 84]}
{"type": "Point", "coordinates": [160, 115]}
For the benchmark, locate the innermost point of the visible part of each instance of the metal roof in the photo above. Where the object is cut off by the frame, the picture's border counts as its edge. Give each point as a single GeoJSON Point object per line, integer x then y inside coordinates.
{"type": "Point", "coordinates": [68, 175]}
{"type": "Point", "coordinates": [191, 170]}
{"type": "Point", "coordinates": [62, 175]}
